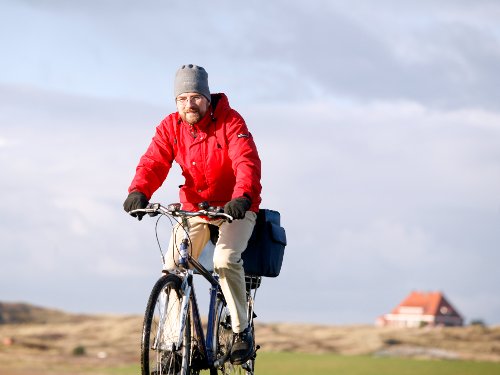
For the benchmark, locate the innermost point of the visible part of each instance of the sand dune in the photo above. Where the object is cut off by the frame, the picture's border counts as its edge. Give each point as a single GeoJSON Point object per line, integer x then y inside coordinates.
{"type": "Point", "coordinates": [49, 339]}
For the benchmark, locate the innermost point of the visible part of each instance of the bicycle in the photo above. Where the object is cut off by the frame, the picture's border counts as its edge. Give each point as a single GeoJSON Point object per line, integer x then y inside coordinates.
{"type": "Point", "coordinates": [173, 339]}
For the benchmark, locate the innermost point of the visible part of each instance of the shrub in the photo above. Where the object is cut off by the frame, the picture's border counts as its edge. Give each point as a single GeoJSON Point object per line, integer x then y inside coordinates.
{"type": "Point", "coordinates": [79, 350]}
{"type": "Point", "coordinates": [478, 322]}
{"type": "Point", "coordinates": [392, 341]}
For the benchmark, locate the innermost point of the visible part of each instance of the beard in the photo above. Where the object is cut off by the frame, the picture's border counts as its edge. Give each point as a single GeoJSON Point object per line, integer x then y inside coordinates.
{"type": "Point", "coordinates": [192, 116]}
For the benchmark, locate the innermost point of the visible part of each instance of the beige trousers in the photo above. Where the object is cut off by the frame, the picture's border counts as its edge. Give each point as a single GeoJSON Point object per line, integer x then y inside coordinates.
{"type": "Point", "coordinates": [233, 240]}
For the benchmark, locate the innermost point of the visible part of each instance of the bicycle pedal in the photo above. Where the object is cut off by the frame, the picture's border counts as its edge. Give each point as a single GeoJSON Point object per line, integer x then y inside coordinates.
{"type": "Point", "coordinates": [254, 355]}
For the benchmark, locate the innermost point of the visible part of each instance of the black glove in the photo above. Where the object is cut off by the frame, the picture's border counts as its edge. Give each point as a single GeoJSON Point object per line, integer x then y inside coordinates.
{"type": "Point", "coordinates": [134, 201]}
{"type": "Point", "coordinates": [237, 207]}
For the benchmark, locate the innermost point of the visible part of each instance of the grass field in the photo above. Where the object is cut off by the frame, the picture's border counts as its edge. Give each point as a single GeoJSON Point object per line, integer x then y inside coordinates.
{"type": "Point", "coordinates": [328, 364]}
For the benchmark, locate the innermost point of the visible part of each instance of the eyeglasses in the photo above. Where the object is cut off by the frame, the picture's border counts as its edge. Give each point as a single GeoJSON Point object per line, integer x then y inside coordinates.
{"type": "Point", "coordinates": [182, 100]}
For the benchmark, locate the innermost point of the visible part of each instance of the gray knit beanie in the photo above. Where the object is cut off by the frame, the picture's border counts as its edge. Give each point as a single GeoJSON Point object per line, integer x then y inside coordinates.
{"type": "Point", "coordinates": [191, 78]}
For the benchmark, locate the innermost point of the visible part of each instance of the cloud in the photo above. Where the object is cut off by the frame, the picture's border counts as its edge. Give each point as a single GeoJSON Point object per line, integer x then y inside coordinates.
{"type": "Point", "coordinates": [441, 56]}
{"type": "Point", "coordinates": [377, 129]}
{"type": "Point", "coordinates": [372, 185]}
{"type": "Point", "coordinates": [374, 195]}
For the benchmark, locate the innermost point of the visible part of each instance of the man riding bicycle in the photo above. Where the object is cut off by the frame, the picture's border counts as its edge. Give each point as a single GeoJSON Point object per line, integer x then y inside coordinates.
{"type": "Point", "coordinates": [221, 166]}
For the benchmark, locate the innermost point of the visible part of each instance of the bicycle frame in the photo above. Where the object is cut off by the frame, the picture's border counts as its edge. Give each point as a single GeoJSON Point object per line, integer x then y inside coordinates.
{"type": "Point", "coordinates": [206, 344]}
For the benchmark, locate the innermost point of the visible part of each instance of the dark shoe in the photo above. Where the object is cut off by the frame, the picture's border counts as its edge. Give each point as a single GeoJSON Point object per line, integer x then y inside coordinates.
{"type": "Point", "coordinates": [242, 349]}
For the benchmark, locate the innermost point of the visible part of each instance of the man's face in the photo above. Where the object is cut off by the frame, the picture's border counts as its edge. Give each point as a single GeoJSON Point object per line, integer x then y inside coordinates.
{"type": "Point", "coordinates": [192, 107]}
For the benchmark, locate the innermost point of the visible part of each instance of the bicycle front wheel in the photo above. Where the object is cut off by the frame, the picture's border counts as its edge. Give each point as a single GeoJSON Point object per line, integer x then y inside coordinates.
{"type": "Point", "coordinates": [166, 346]}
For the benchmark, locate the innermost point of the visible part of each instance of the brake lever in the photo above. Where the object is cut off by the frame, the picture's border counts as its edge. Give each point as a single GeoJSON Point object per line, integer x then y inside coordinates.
{"type": "Point", "coordinates": [154, 209]}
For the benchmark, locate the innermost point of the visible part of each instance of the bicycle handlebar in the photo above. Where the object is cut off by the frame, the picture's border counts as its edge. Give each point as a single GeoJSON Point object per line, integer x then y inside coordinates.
{"type": "Point", "coordinates": [174, 209]}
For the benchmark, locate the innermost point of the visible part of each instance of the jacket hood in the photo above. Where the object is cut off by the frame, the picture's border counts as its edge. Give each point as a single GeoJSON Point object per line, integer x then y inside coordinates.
{"type": "Point", "coordinates": [219, 103]}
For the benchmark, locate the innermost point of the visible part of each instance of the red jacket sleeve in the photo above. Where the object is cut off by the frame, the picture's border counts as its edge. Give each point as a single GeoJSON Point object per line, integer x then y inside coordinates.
{"type": "Point", "coordinates": [245, 159]}
{"type": "Point", "coordinates": [155, 164]}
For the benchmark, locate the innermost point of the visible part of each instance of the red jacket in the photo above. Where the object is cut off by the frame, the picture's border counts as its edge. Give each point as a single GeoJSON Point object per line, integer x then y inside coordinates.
{"type": "Point", "coordinates": [219, 164]}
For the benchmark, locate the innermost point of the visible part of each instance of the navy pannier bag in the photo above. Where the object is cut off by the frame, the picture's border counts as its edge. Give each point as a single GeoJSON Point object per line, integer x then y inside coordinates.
{"type": "Point", "coordinates": [266, 247]}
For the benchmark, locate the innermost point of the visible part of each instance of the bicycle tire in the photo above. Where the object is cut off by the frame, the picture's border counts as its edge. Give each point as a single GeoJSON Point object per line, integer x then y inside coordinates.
{"type": "Point", "coordinates": [159, 354]}
{"type": "Point", "coordinates": [223, 337]}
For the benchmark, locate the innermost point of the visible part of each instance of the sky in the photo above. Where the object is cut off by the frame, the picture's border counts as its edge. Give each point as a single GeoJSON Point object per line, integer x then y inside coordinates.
{"type": "Point", "coordinates": [378, 126]}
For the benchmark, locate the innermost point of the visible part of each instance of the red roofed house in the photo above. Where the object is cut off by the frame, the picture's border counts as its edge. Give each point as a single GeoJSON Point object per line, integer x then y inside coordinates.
{"type": "Point", "coordinates": [419, 309]}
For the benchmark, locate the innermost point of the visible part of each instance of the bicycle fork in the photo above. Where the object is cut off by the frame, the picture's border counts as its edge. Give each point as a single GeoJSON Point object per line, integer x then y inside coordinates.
{"type": "Point", "coordinates": [186, 289]}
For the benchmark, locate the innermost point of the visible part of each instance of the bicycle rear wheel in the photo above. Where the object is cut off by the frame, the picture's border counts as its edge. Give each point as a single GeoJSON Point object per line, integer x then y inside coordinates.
{"type": "Point", "coordinates": [223, 341]}
{"type": "Point", "coordinates": [160, 352]}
